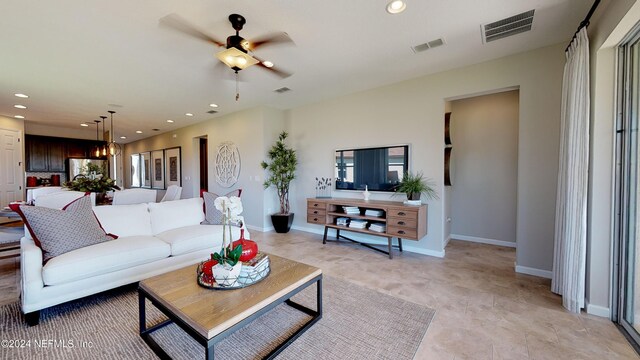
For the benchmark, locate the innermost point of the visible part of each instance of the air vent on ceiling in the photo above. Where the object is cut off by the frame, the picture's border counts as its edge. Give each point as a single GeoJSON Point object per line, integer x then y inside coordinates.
{"type": "Point", "coordinates": [428, 45]}
{"type": "Point", "coordinates": [507, 27]}
{"type": "Point", "coordinates": [212, 112]}
{"type": "Point", "coordinates": [282, 90]}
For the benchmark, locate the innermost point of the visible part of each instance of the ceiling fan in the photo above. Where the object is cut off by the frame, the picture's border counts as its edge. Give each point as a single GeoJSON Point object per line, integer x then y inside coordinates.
{"type": "Point", "coordinates": [238, 54]}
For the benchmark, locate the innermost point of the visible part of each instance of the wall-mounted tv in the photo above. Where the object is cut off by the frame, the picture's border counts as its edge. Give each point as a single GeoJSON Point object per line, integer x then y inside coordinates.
{"type": "Point", "coordinates": [379, 168]}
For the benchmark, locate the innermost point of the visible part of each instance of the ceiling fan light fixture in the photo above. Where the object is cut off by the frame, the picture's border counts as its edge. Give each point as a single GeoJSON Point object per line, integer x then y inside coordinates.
{"type": "Point", "coordinates": [396, 7]}
{"type": "Point", "coordinates": [236, 59]}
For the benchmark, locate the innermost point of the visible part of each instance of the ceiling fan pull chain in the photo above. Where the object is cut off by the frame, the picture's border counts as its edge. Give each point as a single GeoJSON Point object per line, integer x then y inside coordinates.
{"type": "Point", "coordinates": [237, 88]}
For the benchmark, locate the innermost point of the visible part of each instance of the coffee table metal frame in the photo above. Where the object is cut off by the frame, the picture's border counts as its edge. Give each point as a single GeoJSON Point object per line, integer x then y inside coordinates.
{"type": "Point", "coordinates": [210, 343]}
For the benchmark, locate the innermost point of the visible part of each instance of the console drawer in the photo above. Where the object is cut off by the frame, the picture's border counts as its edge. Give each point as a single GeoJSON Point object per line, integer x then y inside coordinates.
{"type": "Point", "coordinates": [402, 222]}
{"type": "Point", "coordinates": [402, 232]}
{"type": "Point", "coordinates": [315, 219]}
{"type": "Point", "coordinates": [316, 205]}
{"type": "Point", "coordinates": [403, 213]}
{"type": "Point", "coordinates": [316, 212]}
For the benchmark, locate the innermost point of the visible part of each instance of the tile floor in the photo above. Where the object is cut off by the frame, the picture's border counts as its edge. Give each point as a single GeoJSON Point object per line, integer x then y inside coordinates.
{"type": "Point", "coordinates": [484, 310]}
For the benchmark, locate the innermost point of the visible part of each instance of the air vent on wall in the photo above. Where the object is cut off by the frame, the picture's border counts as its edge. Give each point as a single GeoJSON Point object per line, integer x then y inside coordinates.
{"type": "Point", "coordinates": [282, 90]}
{"type": "Point", "coordinates": [507, 27]}
{"type": "Point", "coordinates": [212, 112]}
{"type": "Point", "coordinates": [428, 45]}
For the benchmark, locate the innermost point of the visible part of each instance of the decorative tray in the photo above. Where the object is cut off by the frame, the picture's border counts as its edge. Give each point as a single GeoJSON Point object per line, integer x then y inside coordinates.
{"type": "Point", "coordinates": [248, 276]}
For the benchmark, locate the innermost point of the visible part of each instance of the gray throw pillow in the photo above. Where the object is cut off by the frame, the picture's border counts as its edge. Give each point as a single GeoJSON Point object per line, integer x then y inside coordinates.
{"type": "Point", "coordinates": [213, 216]}
{"type": "Point", "coordinates": [61, 231]}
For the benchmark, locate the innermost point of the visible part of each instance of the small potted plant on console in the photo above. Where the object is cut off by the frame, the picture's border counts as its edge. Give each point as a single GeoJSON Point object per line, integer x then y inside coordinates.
{"type": "Point", "coordinates": [415, 184]}
{"type": "Point", "coordinates": [282, 167]}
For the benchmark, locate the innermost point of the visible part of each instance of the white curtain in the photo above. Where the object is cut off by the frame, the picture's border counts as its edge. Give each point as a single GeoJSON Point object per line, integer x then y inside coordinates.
{"type": "Point", "coordinates": [571, 203]}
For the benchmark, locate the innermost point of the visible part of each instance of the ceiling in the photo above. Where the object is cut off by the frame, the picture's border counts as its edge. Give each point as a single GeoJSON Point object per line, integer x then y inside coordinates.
{"type": "Point", "coordinates": [76, 59]}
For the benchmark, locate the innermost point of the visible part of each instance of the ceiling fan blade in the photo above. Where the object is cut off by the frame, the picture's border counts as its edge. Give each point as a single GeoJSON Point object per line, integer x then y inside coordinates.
{"type": "Point", "coordinates": [271, 39]}
{"type": "Point", "coordinates": [281, 73]}
{"type": "Point", "coordinates": [177, 23]}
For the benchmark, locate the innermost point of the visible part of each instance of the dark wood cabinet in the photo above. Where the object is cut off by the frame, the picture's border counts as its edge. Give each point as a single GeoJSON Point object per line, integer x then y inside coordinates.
{"type": "Point", "coordinates": [49, 154]}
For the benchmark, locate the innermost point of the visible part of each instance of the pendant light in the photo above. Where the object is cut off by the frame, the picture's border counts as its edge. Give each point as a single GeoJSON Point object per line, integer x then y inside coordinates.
{"type": "Point", "coordinates": [104, 147]}
{"type": "Point", "coordinates": [96, 151]}
{"type": "Point", "coordinates": [114, 148]}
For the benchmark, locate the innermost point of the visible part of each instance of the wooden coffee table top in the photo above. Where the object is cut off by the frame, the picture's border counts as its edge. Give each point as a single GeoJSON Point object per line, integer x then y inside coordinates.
{"type": "Point", "coordinates": [210, 312]}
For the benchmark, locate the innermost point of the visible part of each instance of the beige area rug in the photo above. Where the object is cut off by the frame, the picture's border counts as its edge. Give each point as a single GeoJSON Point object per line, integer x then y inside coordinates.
{"type": "Point", "coordinates": [357, 323]}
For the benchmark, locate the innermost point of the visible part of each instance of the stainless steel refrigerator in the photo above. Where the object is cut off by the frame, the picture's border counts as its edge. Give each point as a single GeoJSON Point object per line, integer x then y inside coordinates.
{"type": "Point", "coordinates": [79, 167]}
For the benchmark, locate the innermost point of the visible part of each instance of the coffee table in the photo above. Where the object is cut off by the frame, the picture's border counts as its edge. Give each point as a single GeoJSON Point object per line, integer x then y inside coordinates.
{"type": "Point", "coordinates": [211, 315]}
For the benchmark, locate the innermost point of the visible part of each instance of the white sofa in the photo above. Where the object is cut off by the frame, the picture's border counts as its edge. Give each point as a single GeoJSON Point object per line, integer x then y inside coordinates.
{"type": "Point", "coordinates": [152, 239]}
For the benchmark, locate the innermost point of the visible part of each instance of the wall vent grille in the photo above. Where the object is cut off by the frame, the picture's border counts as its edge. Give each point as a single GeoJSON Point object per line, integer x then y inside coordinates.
{"type": "Point", "coordinates": [507, 27]}
{"type": "Point", "coordinates": [428, 45]}
{"type": "Point", "coordinates": [282, 90]}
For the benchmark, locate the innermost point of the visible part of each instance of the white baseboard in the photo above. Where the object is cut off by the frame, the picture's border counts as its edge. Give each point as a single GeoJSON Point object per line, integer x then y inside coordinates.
{"type": "Point", "coordinates": [597, 310]}
{"type": "Point", "coordinates": [482, 240]}
{"type": "Point", "coordinates": [533, 271]}
{"type": "Point", "coordinates": [446, 241]}
{"type": "Point", "coordinates": [372, 240]}
{"type": "Point", "coordinates": [257, 228]}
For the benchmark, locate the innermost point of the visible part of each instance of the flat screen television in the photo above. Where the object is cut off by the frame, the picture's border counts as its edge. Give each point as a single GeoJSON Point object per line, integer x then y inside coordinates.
{"type": "Point", "coordinates": [379, 168]}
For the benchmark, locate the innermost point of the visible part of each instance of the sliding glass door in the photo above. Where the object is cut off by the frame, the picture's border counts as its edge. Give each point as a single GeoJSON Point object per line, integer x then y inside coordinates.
{"type": "Point", "coordinates": [627, 311]}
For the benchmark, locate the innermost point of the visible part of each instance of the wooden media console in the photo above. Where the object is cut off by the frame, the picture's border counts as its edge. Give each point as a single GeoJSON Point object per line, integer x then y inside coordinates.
{"type": "Point", "coordinates": [400, 221]}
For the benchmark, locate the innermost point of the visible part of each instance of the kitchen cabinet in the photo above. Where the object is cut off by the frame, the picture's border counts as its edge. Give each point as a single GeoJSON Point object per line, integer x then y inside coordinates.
{"type": "Point", "coordinates": [49, 154]}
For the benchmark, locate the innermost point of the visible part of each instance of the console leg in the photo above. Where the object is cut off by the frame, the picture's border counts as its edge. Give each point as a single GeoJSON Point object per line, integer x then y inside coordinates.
{"type": "Point", "coordinates": [32, 318]}
{"type": "Point", "coordinates": [390, 248]}
{"type": "Point", "coordinates": [337, 234]}
{"type": "Point", "coordinates": [400, 244]}
{"type": "Point", "coordinates": [324, 238]}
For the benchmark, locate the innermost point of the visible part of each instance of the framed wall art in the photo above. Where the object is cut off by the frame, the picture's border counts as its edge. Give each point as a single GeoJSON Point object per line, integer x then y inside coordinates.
{"type": "Point", "coordinates": [145, 169]}
{"type": "Point", "coordinates": [135, 170]}
{"type": "Point", "coordinates": [157, 169]}
{"type": "Point", "coordinates": [172, 167]}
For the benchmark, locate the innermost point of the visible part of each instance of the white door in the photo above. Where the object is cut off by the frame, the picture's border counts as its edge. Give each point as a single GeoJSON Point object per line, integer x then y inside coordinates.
{"type": "Point", "coordinates": [10, 167]}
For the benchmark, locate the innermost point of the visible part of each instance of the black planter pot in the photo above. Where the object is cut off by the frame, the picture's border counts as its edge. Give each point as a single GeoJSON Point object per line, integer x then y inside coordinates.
{"type": "Point", "coordinates": [282, 223]}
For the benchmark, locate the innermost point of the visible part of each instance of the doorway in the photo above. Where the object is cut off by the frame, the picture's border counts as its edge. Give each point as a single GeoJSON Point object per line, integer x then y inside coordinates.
{"type": "Point", "coordinates": [204, 164]}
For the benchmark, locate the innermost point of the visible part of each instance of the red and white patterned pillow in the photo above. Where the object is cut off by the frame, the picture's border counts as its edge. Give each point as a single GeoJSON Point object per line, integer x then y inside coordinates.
{"type": "Point", "coordinates": [213, 216]}
{"type": "Point", "coordinates": [59, 231]}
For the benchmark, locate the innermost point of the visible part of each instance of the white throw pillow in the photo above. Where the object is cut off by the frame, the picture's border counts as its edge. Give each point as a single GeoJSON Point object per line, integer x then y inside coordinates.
{"type": "Point", "coordinates": [175, 214]}
{"type": "Point", "coordinates": [124, 220]}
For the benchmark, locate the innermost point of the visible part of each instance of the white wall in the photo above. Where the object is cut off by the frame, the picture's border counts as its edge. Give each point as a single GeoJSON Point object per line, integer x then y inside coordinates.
{"type": "Point", "coordinates": [249, 130]}
{"type": "Point", "coordinates": [609, 26]}
{"type": "Point", "coordinates": [484, 134]}
{"type": "Point", "coordinates": [412, 112]}
{"type": "Point", "coordinates": [88, 133]}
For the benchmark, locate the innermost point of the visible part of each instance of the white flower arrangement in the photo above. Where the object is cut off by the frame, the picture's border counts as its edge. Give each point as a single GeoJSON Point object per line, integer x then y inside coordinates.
{"type": "Point", "coordinates": [231, 208]}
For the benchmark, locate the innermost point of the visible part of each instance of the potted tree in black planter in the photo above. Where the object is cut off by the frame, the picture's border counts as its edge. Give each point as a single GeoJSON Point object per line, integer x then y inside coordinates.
{"type": "Point", "coordinates": [282, 167]}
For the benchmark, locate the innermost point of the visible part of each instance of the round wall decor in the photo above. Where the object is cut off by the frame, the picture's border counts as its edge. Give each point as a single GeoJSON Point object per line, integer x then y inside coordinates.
{"type": "Point", "coordinates": [227, 164]}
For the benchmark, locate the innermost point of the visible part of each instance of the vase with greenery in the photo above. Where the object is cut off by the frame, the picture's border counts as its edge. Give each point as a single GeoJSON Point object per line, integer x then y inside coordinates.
{"type": "Point", "coordinates": [415, 184]}
{"type": "Point", "coordinates": [281, 164]}
{"type": "Point", "coordinates": [95, 181]}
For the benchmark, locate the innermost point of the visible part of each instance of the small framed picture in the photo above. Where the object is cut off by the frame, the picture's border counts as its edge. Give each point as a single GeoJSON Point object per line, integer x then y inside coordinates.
{"type": "Point", "coordinates": [145, 169]}
{"type": "Point", "coordinates": [135, 170]}
{"type": "Point", "coordinates": [157, 169]}
{"type": "Point", "coordinates": [172, 167]}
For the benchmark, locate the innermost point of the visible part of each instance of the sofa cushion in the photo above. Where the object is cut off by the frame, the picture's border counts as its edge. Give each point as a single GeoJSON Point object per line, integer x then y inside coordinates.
{"type": "Point", "coordinates": [122, 253]}
{"type": "Point", "coordinates": [213, 216]}
{"type": "Point", "coordinates": [124, 220]}
{"type": "Point", "coordinates": [196, 237]}
{"type": "Point", "coordinates": [59, 231]}
{"type": "Point", "coordinates": [175, 214]}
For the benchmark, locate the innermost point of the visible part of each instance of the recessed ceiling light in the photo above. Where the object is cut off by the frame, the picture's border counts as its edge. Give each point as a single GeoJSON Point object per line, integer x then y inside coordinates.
{"type": "Point", "coordinates": [268, 64]}
{"type": "Point", "coordinates": [19, 106]}
{"type": "Point", "coordinates": [83, 124]}
{"type": "Point", "coordinates": [396, 7]}
{"type": "Point", "coordinates": [21, 96]}
{"type": "Point", "coordinates": [170, 121]}
{"type": "Point", "coordinates": [19, 117]}
{"type": "Point", "coordinates": [213, 105]}
{"type": "Point", "coordinates": [123, 137]}
{"type": "Point", "coordinates": [189, 114]}
{"type": "Point", "coordinates": [138, 132]}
